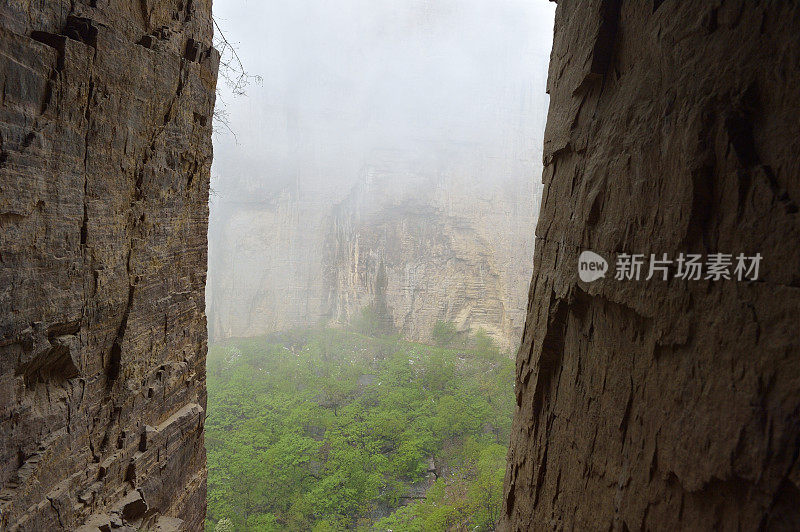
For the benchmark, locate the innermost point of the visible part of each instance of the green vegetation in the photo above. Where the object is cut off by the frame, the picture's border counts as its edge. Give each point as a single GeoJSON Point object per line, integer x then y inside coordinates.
{"type": "Point", "coordinates": [444, 332]}
{"type": "Point", "coordinates": [332, 430]}
{"type": "Point", "coordinates": [373, 321]}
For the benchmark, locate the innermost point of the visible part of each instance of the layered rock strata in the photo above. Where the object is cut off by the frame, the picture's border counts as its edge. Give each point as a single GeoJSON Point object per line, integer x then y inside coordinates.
{"type": "Point", "coordinates": [105, 152]}
{"type": "Point", "coordinates": [664, 404]}
{"type": "Point", "coordinates": [422, 241]}
{"type": "Point", "coordinates": [424, 249]}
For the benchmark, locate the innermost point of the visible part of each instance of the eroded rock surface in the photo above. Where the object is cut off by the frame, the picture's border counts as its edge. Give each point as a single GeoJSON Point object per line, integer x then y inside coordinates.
{"type": "Point", "coordinates": [422, 244]}
{"type": "Point", "coordinates": [421, 249]}
{"type": "Point", "coordinates": [673, 127]}
{"type": "Point", "coordinates": [105, 152]}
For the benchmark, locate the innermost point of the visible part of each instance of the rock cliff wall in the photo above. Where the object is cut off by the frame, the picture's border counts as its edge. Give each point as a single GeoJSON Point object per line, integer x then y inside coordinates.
{"type": "Point", "coordinates": [426, 248]}
{"type": "Point", "coordinates": [424, 240]}
{"type": "Point", "coordinates": [105, 151]}
{"type": "Point", "coordinates": [673, 127]}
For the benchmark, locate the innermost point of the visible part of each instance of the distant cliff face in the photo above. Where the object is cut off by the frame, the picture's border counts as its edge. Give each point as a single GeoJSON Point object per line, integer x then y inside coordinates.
{"type": "Point", "coordinates": [421, 245]}
{"type": "Point", "coordinates": [393, 164]}
{"type": "Point", "coordinates": [425, 249]}
{"type": "Point", "coordinates": [105, 152]}
{"type": "Point", "coordinates": [664, 404]}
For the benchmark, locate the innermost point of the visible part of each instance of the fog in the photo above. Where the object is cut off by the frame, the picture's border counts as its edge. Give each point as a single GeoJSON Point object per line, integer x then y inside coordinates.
{"type": "Point", "coordinates": [386, 154]}
{"type": "Point", "coordinates": [340, 80]}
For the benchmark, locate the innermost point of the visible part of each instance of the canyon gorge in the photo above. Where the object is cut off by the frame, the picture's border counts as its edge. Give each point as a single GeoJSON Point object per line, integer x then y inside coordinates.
{"type": "Point", "coordinates": [653, 404]}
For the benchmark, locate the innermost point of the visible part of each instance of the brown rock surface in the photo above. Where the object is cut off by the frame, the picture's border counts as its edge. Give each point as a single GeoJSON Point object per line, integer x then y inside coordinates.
{"type": "Point", "coordinates": [105, 150]}
{"type": "Point", "coordinates": [673, 127]}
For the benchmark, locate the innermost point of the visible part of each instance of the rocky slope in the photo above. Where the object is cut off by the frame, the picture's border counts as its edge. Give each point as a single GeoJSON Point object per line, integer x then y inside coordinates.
{"type": "Point", "coordinates": [664, 404]}
{"type": "Point", "coordinates": [105, 153]}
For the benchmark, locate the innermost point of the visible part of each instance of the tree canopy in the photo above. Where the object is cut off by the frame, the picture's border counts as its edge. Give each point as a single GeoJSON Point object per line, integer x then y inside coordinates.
{"type": "Point", "coordinates": [333, 430]}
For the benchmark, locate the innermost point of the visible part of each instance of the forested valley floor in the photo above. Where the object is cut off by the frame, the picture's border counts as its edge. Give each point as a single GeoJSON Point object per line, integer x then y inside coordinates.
{"type": "Point", "coordinates": [338, 430]}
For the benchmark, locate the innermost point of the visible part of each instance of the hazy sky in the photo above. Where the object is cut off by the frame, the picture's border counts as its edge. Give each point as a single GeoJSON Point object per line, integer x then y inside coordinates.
{"type": "Point", "coordinates": [344, 78]}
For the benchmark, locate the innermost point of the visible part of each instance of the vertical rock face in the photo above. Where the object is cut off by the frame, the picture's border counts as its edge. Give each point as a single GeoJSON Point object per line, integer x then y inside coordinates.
{"type": "Point", "coordinates": [105, 153]}
{"type": "Point", "coordinates": [673, 127]}
{"type": "Point", "coordinates": [421, 248]}
{"type": "Point", "coordinates": [423, 241]}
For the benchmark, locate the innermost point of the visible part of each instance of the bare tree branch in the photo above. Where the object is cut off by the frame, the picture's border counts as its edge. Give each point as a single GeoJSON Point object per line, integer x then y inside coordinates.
{"type": "Point", "coordinates": [232, 71]}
